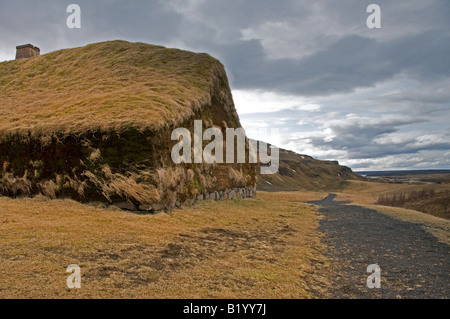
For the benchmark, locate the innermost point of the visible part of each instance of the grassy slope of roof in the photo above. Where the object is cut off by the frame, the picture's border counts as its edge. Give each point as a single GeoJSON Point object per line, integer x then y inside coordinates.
{"type": "Point", "coordinates": [106, 86]}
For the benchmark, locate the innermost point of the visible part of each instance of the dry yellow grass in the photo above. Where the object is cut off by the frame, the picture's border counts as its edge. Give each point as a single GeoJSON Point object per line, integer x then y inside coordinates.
{"type": "Point", "coordinates": [268, 247]}
{"type": "Point", "coordinates": [298, 196]}
{"type": "Point", "coordinates": [367, 192]}
{"type": "Point", "coordinates": [104, 86]}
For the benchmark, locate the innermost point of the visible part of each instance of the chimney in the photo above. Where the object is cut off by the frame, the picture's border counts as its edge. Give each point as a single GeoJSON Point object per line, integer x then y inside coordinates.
{"type": "Point", "coordinates": [27, 51]}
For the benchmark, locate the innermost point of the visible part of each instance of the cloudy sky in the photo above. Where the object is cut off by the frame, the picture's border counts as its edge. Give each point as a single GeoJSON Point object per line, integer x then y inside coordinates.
{"type": "Point", "coordinates": [309, 76]}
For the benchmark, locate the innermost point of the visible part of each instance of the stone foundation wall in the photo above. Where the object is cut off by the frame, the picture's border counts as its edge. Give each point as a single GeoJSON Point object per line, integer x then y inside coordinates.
{"type": "Point", "coordinates": [234, 193]}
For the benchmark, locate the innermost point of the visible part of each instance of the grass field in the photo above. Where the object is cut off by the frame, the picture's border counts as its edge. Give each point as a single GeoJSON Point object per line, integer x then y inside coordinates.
{"type": "Point", "coordinates": [369, 193]}
{"type": "Point", "coordinates": [266, 247]}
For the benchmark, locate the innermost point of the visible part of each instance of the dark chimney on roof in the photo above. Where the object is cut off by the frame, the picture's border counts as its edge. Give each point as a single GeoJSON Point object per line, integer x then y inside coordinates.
{"type": "Point", "coordinates": [27, 51]}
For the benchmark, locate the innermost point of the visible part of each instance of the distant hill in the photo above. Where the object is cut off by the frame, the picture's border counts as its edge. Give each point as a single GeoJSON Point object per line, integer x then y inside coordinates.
{"type": "Point", "coordinates": [302, 172]}
{"type": "Point", "coordinates": [404, 172]}
{"type": "Point", "coordinates": [411, 176]}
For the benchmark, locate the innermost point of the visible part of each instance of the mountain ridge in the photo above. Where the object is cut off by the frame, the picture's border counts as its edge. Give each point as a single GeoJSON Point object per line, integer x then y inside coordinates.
{"type": "Point", "coordinates": [303, 172]}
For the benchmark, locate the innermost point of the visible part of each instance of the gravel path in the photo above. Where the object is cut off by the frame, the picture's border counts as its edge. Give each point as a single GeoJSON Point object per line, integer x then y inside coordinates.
{"type": "Point", "coordinates": [414, 264]}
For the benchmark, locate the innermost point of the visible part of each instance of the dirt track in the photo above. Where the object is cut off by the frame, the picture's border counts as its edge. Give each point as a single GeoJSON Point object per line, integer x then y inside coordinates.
{"type": "Point", "coordinates": [414, 264]}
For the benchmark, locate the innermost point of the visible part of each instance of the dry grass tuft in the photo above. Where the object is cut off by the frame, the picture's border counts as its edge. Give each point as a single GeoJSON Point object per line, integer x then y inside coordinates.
{"type": "Point", "coordinates": [49, 188]}
{"type": "Point", "coordinates": [236, 177]}
{"type": "Point", "coordinates": [172, 181]}
{"type": "Point", "coordinates": [115, 184]}
{"type": "Point", "coordinates": [15, 186]}
{"type": "Point", "coordinates": [184, 183]}
{"type": "Point", "coordinates": [95, 155]}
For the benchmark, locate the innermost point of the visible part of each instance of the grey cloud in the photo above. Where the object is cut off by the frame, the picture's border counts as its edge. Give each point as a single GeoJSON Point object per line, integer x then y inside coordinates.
{"type": "Point", "coordinates": [366, 140]}
{"type": "Point", "coordinates": [349, 63]}
{"type": "Point", "coordinates": [360, 144]}
{"type": "Point", "coordinates": [345, 63]}
{"type": "Point", "coordinates": [413, 46]}
{"type": "Point", "coordinates": [43, 23]}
